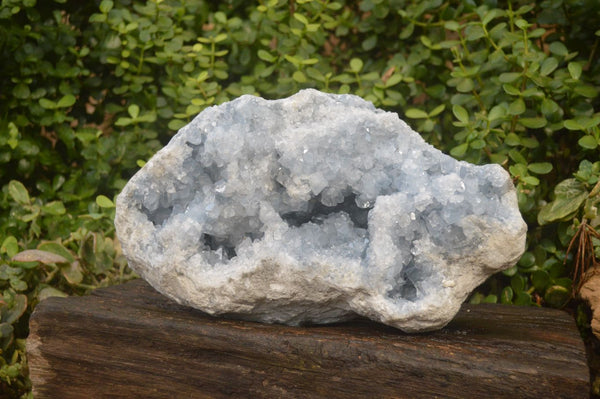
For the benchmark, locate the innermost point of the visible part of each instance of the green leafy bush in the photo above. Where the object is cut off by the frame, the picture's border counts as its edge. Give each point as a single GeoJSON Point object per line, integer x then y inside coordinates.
{"type": "Point", "coordinates": [91, 89]}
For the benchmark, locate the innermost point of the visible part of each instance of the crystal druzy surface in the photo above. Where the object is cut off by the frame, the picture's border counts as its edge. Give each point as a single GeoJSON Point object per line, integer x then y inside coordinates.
{"type": "Point", "coordinates": [313, 209]}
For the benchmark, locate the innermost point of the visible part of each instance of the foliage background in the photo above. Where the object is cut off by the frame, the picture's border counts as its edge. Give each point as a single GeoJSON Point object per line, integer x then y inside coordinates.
{"type": "Point", "coordinates": [91, 89]}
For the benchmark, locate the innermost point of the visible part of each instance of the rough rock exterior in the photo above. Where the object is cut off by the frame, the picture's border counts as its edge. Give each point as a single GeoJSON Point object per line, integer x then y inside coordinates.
{"type": "Point", "coordinates": [590, 292]}
{"type": "Point", "coordinates": [315, 208]}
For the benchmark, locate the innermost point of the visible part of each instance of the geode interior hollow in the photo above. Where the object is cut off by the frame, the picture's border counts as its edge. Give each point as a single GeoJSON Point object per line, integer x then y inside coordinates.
{"type": "Point", "coordinates": [314, 209]}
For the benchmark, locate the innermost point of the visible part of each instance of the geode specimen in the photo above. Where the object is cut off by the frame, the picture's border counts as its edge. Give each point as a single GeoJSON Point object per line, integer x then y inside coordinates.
{"type": "Point", "coordinates": [315, 208]}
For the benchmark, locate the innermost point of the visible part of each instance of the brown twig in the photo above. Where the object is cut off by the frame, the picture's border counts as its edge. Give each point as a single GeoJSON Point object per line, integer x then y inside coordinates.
{"type": "Point", "coordinates": [585, 258]}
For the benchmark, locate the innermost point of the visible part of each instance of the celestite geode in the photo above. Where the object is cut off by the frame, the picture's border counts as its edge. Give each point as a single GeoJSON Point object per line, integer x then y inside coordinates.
{"type": "Point", "coordinates": [316, 208]}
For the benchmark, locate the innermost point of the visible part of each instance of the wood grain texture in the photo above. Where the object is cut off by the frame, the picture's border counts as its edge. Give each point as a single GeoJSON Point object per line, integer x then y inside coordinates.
{"type": "Point", "coordinates": [128, 341]}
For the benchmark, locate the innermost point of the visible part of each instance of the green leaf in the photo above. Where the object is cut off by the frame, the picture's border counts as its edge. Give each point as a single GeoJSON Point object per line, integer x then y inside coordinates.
{"type": "Point", "coordinates": [66, 101]}
{"type": "Point", "coordinates": [476, 298]}
{"type": "Point", "coordinates": [570, 194]}
{"type": "Point", "coordinates": [99, 18]}
{"type": "Point", "coordinates": [266, 56]}
{"type": "Point", "coordinates": [497, 112]}
{"type": "Point", "coordinates": [588, 142]}
{"type": "Point", "coordinates": [48, 292]}
{"type": "Point", "coordinates": [299, 76]}
{"type": "Point", "coordinates": [133, 110]}
{"type": "Point", "coordinates": [293, 59]}
{"type": "Point", "coordinates": [407, 31]}
{"type": "Point", "coordinates": [313, 27]}
{"type": "Point", "coordinates": [57, 248]}
{"type": "Point", "coordinates": [393, 80]}
{"type": "Point", "coordinates": [565, 282]}
{"type": "Point", "coordinates": [540, 168]}
{"type": "Point", "coordinates": [490, 15]}
{"type": "Point", "coordinates": [532, 92]}
{"type": "Point", "coordinates": [356, 65]}
{"type": "Point", "coordinates": [557, 296]}
{"type": "Point", "coordinates": [428, 125]}
{"type": "Point", "coordinates": [18, 192]}
{"type": "Point", "coordinates": [437, 110]}
{"type": "Point", "coordinates": [301, 18]}
{"type": "Point", "coordinates": [522, 24]}
{"type": "Point", "coordinates": [549, 107]}
{"type": "Point", "coordinates": [220, 37]}
{"type": "Point", "coordinates": [343, 78]}
{"type": "Point", "coordinates": [55, 208]}
{"type": "Point", "coordinates": [47, 104]}
{"type": "Point", "coordinates": [13, 133]}
{"type": "Point", "coordinates": [558, 48]}
{"type": "Point", "coordinates": [106, 6]}
{"type": "Point", "coordinates": [569, 188]}
{"type": "Point", "coordinates": [220, 17]}
{"type": "Point", "coordinates": [510, 89]}
{"type": "Point", "coordinates": [474, 32]}
{"type": "Point", "coordinates": [123, 121]}
{"type": "Point", "coordinates": [536, 32]}
{"type": "Point", "coordinates": [32, 215]}
{"type": "Point", "coordinates": [517, 282]}
{"type": "Point", "coordinates": [531, 180]}
{"type": "Point", "coordinates": [415, 113]}
{"type": "Point", "coordinates": [523, 299]}
{"type": "Point", "coordinates": [585, 171]}
{"type": "Point", "coordinates": [6, 331]}
{"type": "Point", "coordinates": [575, 70]}
{"type": "Point", "coordinates": [465, 85]}
{"type": "Point", "coordinates": [72, 273]}
{"type": "Point", "coordinates": [507, 295]}
{"type": "Point", "coordinates": [9, 246]}
{"type": "Point", "coordinates": [587, 122]}
{"type": "Point", "coordinates": [369, 43]}
{"type": "Point", "coordinates": [477, 144]}
{"type": "Point", "coordinates": [573, 124]}
{"type": "Point", "coordinates": [541, 280]}
{"type": "Point", "coordinates": [509, 77]}
{"type": "Point", "coordinates": [517, 107]}
{"type": "Point", "coordinates": [529, 142]}
{"type": "Point", "coordinates": [104, 202]}
{"type": "Point", "coordinates": [17, 310]}
{"type": "Point", "coordinates": [427, 43]}
{"type": "Point", "coordinates": [548, 66]}
{"type": "Point", "coordinates": [148, 117]}
{"type": "Point", "coordinates": [459, 150]}
{"type": "Point", "coordinates": [21, 91]}
{"type": "Point", "coordinates": [527, 260]}
{"type": "Point", "coordinates": [533, 123]}
{"type": "Point", "coordinates": [452, 25]}
{"type": "Point", "coordinates": [460, 113]}
{"type": "Point", "coordinates": [513, 140]}
{"type": "Point", "coordinates": [176, 124]}
{"type": "Point", "coordinates": [586, 91]}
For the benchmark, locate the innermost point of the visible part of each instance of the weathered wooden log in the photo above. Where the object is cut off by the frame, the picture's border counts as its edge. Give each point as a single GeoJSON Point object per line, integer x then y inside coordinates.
{"type": "Point", "coordinates": [128, 341]}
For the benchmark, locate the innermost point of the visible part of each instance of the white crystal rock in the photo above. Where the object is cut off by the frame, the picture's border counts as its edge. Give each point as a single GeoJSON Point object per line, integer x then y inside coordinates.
{"type": "Point", "coordinates": [313, 209]}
